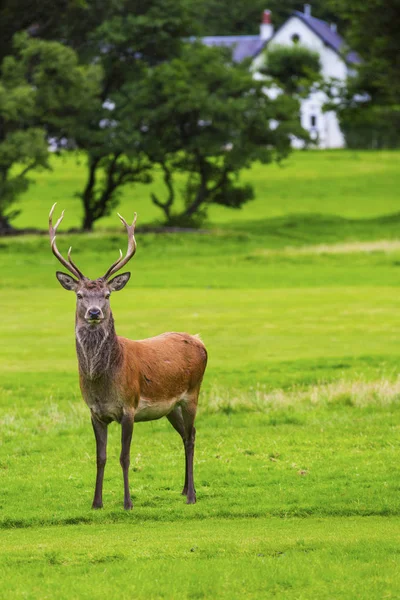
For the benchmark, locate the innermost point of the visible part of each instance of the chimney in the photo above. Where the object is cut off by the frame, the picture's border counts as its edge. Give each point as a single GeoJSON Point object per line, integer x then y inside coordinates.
{"type": "Point", "coordinates": [333, 27]}
{"type": "Point", "coordinates": [307, 10]}
{"type": "Point", "coordinates": [266, 27]}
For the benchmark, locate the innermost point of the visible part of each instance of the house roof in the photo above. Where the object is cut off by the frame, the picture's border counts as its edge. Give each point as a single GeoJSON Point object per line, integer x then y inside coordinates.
{"type": "Point", "coordinates": [243, 46]}
{"type": "Point", "coordinates": [330, 37]}
{"type": "Point", "coordinates": [249, 46]}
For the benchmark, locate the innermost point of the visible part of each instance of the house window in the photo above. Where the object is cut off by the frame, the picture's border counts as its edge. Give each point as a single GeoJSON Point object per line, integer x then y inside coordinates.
{"type": "Point", "coordinates": [313, 121]}
{"type": "Point", "coordinates": [295, 38]}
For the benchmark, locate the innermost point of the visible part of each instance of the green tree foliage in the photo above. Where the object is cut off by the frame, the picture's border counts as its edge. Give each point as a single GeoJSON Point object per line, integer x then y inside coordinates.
{"type": "Point", "coordinates": [124, 37]}
{"type": "Point", "coordinates": [132, 43]}
{"type": "Point", "coordinates": [21, 15]}
{"type": "Point", "coordinates": [368, 106]}
{"type": "Point", "coordinates": [373, 126]}
{"type": "Point", "coordinates": [295, 68]}
{"type": "Point", "coordinates": [206, 118]}
{"type": "Point", "coordinates": [224, 17]}
{"type": "Point", "coordinates": [72, 19]}
{"type": "Point", "coordinates": [40, 86]}
{"type": "Point", "coordinates": [373, 31]}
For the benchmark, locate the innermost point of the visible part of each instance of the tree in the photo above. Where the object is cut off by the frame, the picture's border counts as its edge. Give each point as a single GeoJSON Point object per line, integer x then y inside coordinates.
{"type": "Point", "coordinates": [125, 37]}
{"type": "Point", "coordinates": [39, 85]}
{"type": "Point", "coordinates": [113, 156]}
{"type": "Point", "coordinates": [368, 105]}
{"type": "Point", "coordinates": [373, 32]}
{"type": "Point", "coordinates": [371, 126]}
{"type": "Point", "coordinates": [20, 15]}
{"type": "Point", "coordinates": [206, 118]}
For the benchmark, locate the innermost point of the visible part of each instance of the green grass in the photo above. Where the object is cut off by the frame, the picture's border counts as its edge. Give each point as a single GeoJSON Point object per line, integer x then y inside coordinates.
{"type": "Point", "coordinates": [270, 558]}
{"type": "Point", "coordinates": [297, 458]}
{"type": "Point", "coordinates": [343, 184]}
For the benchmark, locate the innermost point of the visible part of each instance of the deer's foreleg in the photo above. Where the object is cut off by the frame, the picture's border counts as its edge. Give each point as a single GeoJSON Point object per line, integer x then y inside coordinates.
{"type": "Point", "coordinates": [126, 438]}
{"type": "Point", "coordinates": [100, 432]}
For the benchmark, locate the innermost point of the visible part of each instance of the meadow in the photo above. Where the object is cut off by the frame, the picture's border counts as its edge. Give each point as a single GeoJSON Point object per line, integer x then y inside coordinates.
{"type": "Point", "coordinates": [297, 453]}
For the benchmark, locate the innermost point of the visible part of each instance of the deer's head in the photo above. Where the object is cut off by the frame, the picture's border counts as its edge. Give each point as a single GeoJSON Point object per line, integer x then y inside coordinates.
{"type": "Point", "coordinates": [93, 296]}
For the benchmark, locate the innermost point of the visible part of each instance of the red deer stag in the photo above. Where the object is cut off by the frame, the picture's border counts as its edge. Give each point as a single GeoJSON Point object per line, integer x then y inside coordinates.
{"type": "Point", "coordinates": [124, 380]}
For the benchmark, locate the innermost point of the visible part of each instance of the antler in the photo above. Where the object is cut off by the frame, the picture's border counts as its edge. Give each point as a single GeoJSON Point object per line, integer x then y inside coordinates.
{"type": "Point", "coordinates": [130, 251]}
{"type": "Point", "coordinates": [68, 264]}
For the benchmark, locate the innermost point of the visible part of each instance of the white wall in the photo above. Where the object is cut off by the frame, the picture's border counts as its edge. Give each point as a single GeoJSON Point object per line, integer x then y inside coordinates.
{"type": "Point", "coordinates": [326, 129]}
{"type": "Point", "coordinates": [331, 63]}
{"type": "Point", "coordinates": [322, 126]}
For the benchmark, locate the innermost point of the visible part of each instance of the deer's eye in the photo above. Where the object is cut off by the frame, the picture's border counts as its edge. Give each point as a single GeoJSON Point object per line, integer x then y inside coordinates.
{"type": "Point", "coordinates": [79, 296]}
{"type": "Point", "coordinates": [107, 296]}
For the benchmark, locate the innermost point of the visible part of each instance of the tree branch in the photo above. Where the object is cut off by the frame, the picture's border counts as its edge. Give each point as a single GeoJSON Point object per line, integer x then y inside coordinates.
{"type": "Point", "coordinates": [220, 183]}
{"type": "Point", "coordinates": [202, 192]}
{"type": "Point", "coordinates": [87, 196]}
{"type": "Point", "coordinates": [27, 168]}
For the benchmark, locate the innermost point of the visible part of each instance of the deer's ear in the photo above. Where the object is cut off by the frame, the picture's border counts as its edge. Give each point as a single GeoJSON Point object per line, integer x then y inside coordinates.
{"type": "Point", "coordinates": [68, 283]}
{"type": "Point", "coordinates": [119, 282]}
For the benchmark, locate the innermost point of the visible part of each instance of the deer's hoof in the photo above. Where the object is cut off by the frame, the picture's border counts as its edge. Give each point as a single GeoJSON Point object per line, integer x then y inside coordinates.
{"type": "Point", "coordinates": [97, 505]}
{"type": "Point", "coordinates": [191, 500]}
{"type": "Point", "coordinates": [128, 506]}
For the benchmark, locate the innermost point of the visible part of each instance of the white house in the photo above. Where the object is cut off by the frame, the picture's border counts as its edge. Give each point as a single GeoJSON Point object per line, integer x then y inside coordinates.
{"type": "Point", "coordinates": [315, 34]}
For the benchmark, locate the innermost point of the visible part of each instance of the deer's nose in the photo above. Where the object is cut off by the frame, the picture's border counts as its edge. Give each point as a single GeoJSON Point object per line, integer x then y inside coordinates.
{"type": "Point", "coordinates": [94, 313]}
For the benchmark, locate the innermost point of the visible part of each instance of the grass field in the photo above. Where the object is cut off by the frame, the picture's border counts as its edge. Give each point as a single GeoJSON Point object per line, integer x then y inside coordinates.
{"type": "Point", "coordinates": [336, 183]}
{"type": "Point", "coordinates": [297, 459]}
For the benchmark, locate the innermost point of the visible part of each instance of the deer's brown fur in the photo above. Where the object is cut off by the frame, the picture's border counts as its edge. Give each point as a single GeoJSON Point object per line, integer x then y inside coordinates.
{"type": "Point", "coordinates": [147, 378]}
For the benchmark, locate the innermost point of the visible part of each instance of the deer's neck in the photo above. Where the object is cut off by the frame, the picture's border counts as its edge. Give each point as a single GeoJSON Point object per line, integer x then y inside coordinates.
{"type": "Point", "coordinates": [97, 348]}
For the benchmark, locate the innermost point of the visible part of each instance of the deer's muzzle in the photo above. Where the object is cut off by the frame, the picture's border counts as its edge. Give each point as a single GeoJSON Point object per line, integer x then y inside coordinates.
{"type": "Point", "coordinates": [94, 315]}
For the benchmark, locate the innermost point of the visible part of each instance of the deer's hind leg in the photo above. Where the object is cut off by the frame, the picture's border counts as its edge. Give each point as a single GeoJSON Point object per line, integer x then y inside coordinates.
{"type": "Point", "coordinates": [176, 419]}
{"type": "Point", "coordinates": [182, 419]}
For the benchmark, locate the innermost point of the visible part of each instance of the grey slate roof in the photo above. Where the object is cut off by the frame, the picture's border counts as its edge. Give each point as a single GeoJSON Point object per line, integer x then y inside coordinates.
{"type": "Point", "coordinates": [243, 46]}
{"type": "Point", "coordinates": [328, 36]}
{"type": "Point", "coordinates": [249, 46]}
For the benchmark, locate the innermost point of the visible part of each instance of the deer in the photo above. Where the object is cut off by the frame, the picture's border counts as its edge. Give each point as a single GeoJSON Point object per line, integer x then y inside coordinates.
{"type": "Point", "coordinates": [129, 381]}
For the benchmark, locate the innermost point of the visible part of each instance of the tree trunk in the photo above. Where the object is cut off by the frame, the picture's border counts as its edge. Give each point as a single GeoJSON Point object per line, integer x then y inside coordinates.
{"type": "Point", "coordinates": [166, 206]}
{"type": "Point", "coordinates": [88, 221]}
{"type": "Point", "coordinates": [202, 192]}
{"type": "Point", "coordinates": [87, 196]}
{"type": "Point", "coordinates": [5, 226]}
{"type": "Point", "coordinates": [201, 197]}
